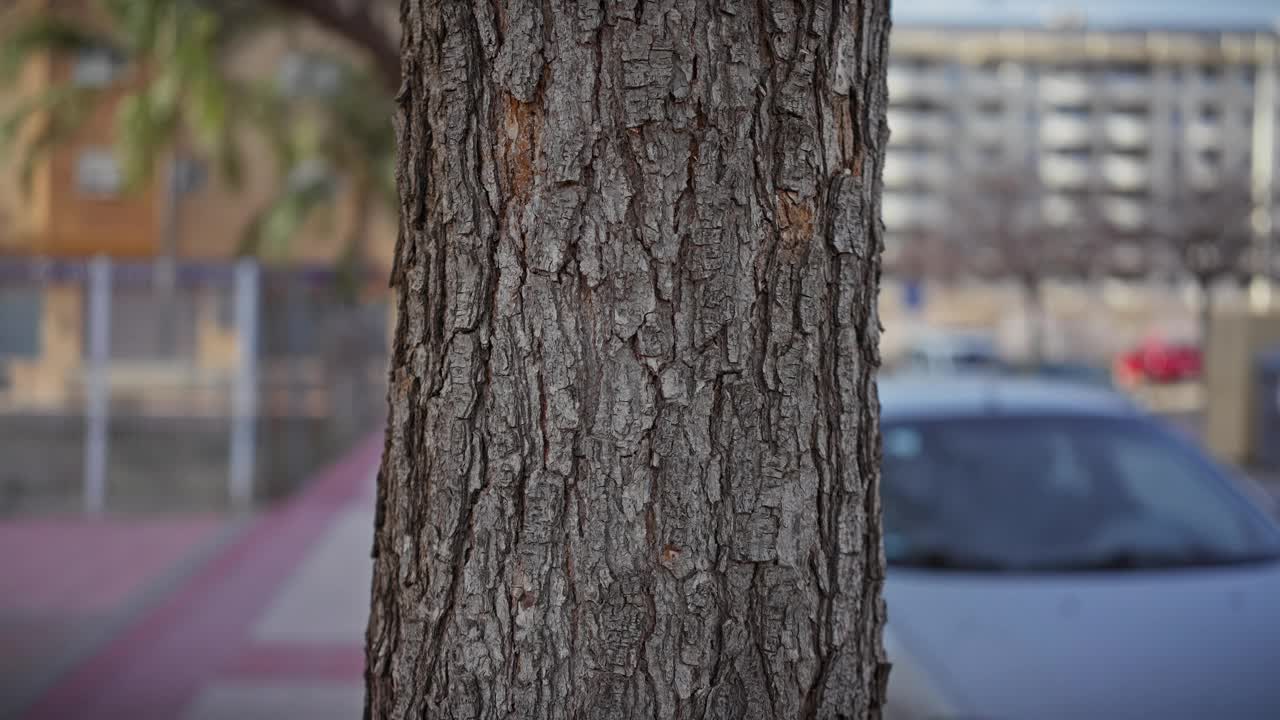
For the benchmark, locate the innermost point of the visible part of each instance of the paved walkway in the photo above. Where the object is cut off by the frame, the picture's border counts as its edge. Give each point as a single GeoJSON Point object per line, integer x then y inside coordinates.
{"type": "Point", "coordinates": [214, 620]}
{"type": "Point", "coordinates": [67, 584]}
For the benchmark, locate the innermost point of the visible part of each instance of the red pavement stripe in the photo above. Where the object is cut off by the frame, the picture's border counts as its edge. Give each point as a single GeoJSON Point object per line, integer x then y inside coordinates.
{"type": "Point", "coordinates": [155, 668]}
{"type": "Point", "coordinates": [101, 562]}
{"type": "Point", "coordinates": [268, 664]}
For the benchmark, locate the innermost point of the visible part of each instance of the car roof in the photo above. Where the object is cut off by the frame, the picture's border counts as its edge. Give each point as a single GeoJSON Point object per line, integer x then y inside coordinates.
{"type": "Point", "coordinates": [988, 395]}
{"type": "Point", "coordinates": [951, 341]}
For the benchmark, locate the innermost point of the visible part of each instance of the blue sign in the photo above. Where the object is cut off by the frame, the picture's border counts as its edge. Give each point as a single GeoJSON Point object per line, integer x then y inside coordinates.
{"type": "Point", "coordinates": [913, 295]}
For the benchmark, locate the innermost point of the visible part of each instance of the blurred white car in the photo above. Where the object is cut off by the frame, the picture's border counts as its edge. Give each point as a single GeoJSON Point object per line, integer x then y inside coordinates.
{"type": "Point", "coordinates": [951, 352]}
{"type": "Point", "coordinates": [1055, 553]}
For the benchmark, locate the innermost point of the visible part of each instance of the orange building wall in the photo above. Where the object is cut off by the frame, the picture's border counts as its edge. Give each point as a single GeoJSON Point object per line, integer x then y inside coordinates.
{"type": "Point", "coordinates": [53, 217]}
{"type": "Point", "coordinates": [80, 224]}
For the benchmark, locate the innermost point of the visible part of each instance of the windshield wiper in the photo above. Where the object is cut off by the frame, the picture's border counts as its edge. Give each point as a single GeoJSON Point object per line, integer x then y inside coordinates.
{"type": "Point", "coordinates": [939, 559]}
{"type": "Point", "coordinates": [1133, 559]}
{"type": "Point", "coordinates": [947, 559]}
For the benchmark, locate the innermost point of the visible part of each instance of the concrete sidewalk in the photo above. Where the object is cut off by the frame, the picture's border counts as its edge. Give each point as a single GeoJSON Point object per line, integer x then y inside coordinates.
{"type": "Point", "coordinates": [304, 656]}
{"type": "Point", "coordinates": [270, 625]}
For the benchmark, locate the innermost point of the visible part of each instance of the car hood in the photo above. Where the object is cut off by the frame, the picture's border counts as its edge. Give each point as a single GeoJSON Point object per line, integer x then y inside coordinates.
{"type": "Point", "coordinates": [1187, 643]}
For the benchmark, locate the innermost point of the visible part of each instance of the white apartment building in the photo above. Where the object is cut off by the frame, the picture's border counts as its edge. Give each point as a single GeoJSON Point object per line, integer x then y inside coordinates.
{"type": "Point", "coordinates": [1116, 115]}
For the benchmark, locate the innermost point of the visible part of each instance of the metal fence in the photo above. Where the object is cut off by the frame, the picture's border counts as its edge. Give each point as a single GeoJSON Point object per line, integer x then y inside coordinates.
{"type": "Point", "coordinates": [155, 386]}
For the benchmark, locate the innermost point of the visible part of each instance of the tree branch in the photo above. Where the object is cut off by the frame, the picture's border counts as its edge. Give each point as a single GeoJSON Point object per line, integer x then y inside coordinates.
{"type": "Point", "coordinates": [358, 23]}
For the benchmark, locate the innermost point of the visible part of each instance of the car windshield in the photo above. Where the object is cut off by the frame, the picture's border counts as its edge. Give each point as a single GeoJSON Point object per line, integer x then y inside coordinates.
{"type": "Point", "coordinates": [970, 359]}
{"type": "Point", "coordinates": [1059, 494]}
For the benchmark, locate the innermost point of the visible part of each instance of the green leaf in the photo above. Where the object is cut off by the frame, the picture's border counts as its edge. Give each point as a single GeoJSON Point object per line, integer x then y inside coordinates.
{"type": "Point", "coordinates": [60, 110]}
{"type": "Point", "coordinates": [271, 229]}
{"type": "Point", "coordinates": [46, 33]}
{"type": "Point", "coordinates": [229, 158]}
{"type": "Point", "coordinates": [139, 22]}
{"type": "Point", "coordinates": [142, 129]}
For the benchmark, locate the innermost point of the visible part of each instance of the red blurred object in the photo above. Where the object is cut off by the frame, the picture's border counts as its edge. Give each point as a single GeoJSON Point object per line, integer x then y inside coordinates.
{"type": "Point", "coordinates": [1158, 362]}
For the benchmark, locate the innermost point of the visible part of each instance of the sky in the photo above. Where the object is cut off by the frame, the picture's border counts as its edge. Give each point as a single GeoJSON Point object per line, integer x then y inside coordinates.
{"type": "Point", "coordinates": [1163, 13]}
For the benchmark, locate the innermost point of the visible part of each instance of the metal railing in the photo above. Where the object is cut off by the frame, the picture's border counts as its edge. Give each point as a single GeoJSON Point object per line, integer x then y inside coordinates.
{"type": "Point", "coordinates": [225, 386]}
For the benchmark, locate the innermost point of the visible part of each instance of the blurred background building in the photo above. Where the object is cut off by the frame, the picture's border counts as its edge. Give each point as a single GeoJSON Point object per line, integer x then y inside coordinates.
{"type": "Point", "coordinates": [1078, 183]}
{"type": "Point", "coordinates": [96, 165]}
{"type": "Point", "coordinates": [1126, 115]}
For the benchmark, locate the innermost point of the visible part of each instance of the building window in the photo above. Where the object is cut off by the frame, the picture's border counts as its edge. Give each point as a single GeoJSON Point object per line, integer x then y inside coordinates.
{"type": "Point", "coordinates": [991, 106]}
{"type": "Point", "coordinates": [1131, 115]}
{"type": "Point", "coordinates": [308, 74]}
{"type": "Point", "coordinates": [923, 105]}
{"type": "Point", "coordinates": [20, 321]}
{"type": "Point", "coordinates": [1131, 72]}
{"type": "Point", "coordinates": [96, 67]}
{"type": "Point", "coordinates": [98, 173]}
{"type": "Point", "coordinates": [1133, 152]}
{"type": "Point", "coordinates": [189, 174]}
{"type": "Point", "coordinates": [1076, 112]}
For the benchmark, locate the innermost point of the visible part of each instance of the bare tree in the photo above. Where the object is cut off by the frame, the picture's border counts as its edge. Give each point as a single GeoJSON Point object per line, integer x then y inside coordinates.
{"type": "Point", "coordinates": [1207, 232]}
{"type": "Point", "coordinates": [999, 222]}
{"type": "Point", "coordinates": [632, 460]}
{"type": "Point", "coordinates": [923, 254]}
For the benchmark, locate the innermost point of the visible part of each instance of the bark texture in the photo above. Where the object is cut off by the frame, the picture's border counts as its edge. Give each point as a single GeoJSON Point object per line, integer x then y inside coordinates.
{"type": "Point", "coordinates": [633, 443]}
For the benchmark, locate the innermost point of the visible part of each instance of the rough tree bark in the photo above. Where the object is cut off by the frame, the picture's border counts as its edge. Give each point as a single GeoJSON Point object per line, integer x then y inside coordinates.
{"type": "Point", "coordinates": [632, 461]}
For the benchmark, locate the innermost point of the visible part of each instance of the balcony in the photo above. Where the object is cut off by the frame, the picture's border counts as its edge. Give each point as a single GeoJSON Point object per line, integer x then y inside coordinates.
{"type": "Point", "coordinates": [1126, 173]}
{"type": "Point", "coordinates": [987, 129]}
{"type": "Point", "coordinates": [1064, 171]}
{"type": "Point", "coordinates": [1125, 213]}
{"type": "Point", "coordinates": [984, 86]}
{"type": "Point", "coordinates": [1126, 131]}
{"type": "Point", "coordinates": [1060, 210]}
{"type": "Point", "coordinates": [916, 128]}
{"type": "Point", "coordinates": [1128, 91]}
{"type": "Point", "coordinates": [1202, 175]}
{"type": "Point", "coordinates": [1066, 89]}
{"type": "Point", "coordinates": [905, 169]}
{"type": "Point", "coordinates": [905, 210]}
{"type": "Point", "coordinates": [1065, 131]}
{"type": "Point", "coordinates": [1204, 134]}
{"type": "Point", "coordinates": [915, 84]}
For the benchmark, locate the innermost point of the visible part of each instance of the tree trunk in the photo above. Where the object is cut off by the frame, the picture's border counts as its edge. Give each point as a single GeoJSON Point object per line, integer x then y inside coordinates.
{"type": "Point", "coordinates": [632, 460]}
{"type": "Point", "coordinates": [1204, 284]}
{"type": "Point", "coordinates": [1033, 316]}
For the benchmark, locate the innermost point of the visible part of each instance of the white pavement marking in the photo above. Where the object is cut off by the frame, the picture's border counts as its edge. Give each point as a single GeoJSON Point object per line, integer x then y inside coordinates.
{"type": "Point", "coordinates": [327, 598]}
{"type": "Point", "coordinates": [236, 702]}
